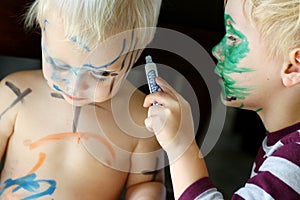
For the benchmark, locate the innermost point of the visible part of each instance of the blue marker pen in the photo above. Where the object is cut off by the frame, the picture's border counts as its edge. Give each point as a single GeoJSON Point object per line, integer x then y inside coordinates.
{"type": "Point", "coordinates": [151, 74]}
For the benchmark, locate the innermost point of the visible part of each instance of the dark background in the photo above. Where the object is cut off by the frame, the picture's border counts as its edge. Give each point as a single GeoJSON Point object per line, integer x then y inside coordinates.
{"type": "Point", "coordinates": [231, 160]}
{"type": "Point", "coordinates": [203, 20]}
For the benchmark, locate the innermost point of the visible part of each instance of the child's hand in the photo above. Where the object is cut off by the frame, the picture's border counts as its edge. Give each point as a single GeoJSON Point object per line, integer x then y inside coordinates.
{"type": "Point", "coordinates": [171, 121]}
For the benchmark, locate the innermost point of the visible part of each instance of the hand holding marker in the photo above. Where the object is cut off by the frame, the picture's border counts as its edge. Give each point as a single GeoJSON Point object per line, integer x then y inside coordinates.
{"type": "Point", "coordinates": [151, 74]}
{"type": "Point", "coordinates": [173, 131]}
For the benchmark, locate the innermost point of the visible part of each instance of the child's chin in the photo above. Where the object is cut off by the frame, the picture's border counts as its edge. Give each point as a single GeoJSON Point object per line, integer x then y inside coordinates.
{"type": "Point", "coordinates": [78, 103]}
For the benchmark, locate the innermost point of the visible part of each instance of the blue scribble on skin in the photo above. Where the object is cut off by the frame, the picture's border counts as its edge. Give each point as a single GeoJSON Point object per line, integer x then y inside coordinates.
{"type": "Point", "coordinates": [84, 46]}
{"type": "Point", "coordinates": [110, 63]}
{"type": "Point", "coordinates": [45, 24]}
{"type": "Point", "coordinates": [57, 88]}
{"type": "Point", "coordinates": [57, 79]}
{"type": "Point", "coordinates": [29, 184]}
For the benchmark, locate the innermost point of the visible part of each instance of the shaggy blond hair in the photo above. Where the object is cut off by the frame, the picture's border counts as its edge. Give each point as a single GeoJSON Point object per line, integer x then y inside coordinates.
{"type": "Point", "coordinates": [93, 21]}
{"type": "Point", "coordinates": [278, 22]}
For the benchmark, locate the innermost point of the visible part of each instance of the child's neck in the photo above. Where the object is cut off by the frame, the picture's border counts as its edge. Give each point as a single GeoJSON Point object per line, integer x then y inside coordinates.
{"type": "Point", "coordinates": [280, 116]}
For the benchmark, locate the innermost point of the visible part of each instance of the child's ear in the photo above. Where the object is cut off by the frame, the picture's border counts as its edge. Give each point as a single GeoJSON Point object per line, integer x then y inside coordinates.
{"type": "Point", "coordinates": [290, 73]}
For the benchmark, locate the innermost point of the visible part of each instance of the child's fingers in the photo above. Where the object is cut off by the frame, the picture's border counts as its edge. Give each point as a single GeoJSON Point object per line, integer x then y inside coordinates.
{"type": "Point", "coordinates": [156, 119]}
{"type": "Point", "coordinates": [148, 124]}
{"type": "Point", "coordinates": [162, 98]}
{"type": "Point", "coordinates": [166, 97]}
{"type": "Point", "coordinates": [165, 86]}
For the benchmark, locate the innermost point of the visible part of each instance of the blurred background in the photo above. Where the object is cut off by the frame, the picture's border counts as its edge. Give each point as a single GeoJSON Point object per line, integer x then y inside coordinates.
{"type": "Point", "coordinates": [230, 161]}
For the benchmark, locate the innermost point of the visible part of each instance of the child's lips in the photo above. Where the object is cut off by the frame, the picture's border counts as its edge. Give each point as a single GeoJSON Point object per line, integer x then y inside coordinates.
{"type": "Point", "coordinates": [75, 98]}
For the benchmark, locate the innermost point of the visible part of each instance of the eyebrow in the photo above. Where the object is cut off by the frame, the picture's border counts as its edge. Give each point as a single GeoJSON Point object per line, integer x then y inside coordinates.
{"type": "Point", "coordinates": [94, 68]}
{"type": "Point", "coordinates": [111, 62]}
{"type": "Point", "coordinates": [82, 45]}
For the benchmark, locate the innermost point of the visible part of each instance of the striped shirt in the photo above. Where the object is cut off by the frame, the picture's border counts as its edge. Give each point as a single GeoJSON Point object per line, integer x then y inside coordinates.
{"type": "Point", "coordinates": [275, 173]}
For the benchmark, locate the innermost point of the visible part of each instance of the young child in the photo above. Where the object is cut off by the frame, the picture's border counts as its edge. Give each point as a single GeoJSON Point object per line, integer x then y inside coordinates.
{"type": "Point", "coordinates": [62, 141]}
{"type": "Point", "coordinates": [259, 64]}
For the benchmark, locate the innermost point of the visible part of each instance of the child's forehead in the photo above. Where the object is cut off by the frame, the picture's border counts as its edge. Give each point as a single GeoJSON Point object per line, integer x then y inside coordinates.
{"type": "Point", "coordinates": [235, 15]}
{"type": "Point", "coordinates": [74, 52]}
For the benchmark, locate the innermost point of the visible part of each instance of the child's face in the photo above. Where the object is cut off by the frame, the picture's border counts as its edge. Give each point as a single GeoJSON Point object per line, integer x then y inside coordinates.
{"type": "Point", "coordinates": [243, 65]}
{"type": "Point", "coordinates": [85, 75]}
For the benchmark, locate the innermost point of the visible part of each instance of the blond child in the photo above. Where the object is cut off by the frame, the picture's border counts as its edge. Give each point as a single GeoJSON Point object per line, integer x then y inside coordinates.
{"type": "Point", "coordinates": [58, 135]}
{"type": "Point", "coordinates": [259, 67]}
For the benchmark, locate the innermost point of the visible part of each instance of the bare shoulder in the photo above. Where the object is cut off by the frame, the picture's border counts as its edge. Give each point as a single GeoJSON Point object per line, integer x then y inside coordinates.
{"type": "Point", "coordinates": [14, 84]}
{"type": "Point", "coordinates": [13, 89]}
{"type": "Point", "coordinates": [17, 86]}
{"type": "Point", "coordinates": [26, 78]}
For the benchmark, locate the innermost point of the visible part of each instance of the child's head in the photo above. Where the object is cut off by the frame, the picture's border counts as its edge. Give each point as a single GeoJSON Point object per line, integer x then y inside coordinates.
{"type": "Point", "coordinates": [254, 55]}
{"type": "Point", "coordinates": [89, 46]}
{"type": "Point", "coordinates": [278, 21]}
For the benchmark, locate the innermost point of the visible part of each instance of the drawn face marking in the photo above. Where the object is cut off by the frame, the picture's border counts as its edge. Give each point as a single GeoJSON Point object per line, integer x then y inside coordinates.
{"type": "Point", "coordinates": [233, 47]}
{"type": "Point", "coordinates": [80, 44]}
{"type": "Point", "coordinates": [81, 81]}
{"type": "Point", "coordinates": [46, 22]}
{"type": "Point", "coordinates": [64, 74]}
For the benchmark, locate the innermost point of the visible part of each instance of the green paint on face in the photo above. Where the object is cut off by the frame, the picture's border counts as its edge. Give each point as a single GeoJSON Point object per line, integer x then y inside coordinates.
{"type": "Point", "coordinates": [233, 47]}
{"type": "Point", "coordinates": [241, 106]}
{"type": "Point", "coordinates": [258, 110]}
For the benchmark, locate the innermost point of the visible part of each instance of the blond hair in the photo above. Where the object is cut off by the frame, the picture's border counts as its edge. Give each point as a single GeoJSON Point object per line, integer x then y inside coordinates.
{"type": "Point", "coordinates": [93, 21]}
{"type": "Point", "coordinates": [278, 22]}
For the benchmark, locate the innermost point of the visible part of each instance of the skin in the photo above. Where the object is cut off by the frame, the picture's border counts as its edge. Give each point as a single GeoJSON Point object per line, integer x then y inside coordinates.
{"type": "Point", "coordinates": [274, 84]}
{"type": "Point", "coordinates": [67, 71]}
{"type": "Point", "coordinates": [233, 47]}
{"type": "Point", "coordinates": [44, 134]}
{"type": "Point", "coordinates": [44, 146]}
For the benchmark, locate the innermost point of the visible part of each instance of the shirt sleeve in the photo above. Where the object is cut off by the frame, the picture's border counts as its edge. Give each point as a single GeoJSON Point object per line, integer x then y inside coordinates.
{"type": "Point", "coordinates": [201, 189]}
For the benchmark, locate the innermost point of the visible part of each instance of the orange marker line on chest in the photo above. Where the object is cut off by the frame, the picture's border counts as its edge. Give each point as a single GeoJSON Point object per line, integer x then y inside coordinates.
{"type": "Point", "coordinates": [69, 136]}
{"type": "Point", "coordinates": [42, 157]}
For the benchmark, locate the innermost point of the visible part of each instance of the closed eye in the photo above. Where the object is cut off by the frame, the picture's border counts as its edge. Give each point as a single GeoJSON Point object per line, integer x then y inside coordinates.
{"type": "Point", "coordinates": [101, 74]}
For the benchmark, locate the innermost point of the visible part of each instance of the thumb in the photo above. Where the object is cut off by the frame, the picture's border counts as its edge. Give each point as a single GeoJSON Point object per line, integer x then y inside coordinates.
{"type": "Point", "coordinates": [156, 119]}
{"type": "Point", "coordinates": [148, 124]}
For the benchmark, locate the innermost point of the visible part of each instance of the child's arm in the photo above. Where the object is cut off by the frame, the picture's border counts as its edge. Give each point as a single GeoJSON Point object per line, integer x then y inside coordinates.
{"type": "Point", "coordinates": [146, 181]}
{"type": "Point", "coordinates": [11, 96]}
{"type": "Point", "coordinates": [172, 124]}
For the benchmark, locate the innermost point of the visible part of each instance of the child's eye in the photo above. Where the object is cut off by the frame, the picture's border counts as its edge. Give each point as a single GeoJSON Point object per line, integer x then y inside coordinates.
{"type": "Point", "coordinates": [101, 74]}
{"type": "Point", "coordinates": [232, 40]}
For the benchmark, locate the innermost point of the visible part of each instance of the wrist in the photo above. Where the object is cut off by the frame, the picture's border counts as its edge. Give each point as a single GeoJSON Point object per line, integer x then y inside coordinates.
{"type": "Point", "coordinates": [183, 143]}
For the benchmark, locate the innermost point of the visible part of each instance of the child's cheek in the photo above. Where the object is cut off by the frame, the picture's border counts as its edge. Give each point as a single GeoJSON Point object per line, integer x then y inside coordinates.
{"type": "Point", "coordinates": [47, 73]}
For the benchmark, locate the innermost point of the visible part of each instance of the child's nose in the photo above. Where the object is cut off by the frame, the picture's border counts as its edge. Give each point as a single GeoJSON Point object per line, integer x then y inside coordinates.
{"type": "Point", "coordinates": [216, 51]}
{"type": "Point", "coordinates": [78, 83]}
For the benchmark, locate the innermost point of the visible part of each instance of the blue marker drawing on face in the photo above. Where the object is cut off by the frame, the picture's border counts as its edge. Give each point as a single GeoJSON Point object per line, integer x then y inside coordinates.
{"type": "Point", "coordinates": [57, 88]}
{"type": "Point", "coordinates": [57, 64]}
{"type": "Point", "coordinates": [110, 63]}
{"type": "Point", "coordinates": [60, 67]}
{"type": "Point", "coordinates": [28, 183]}
{"type": "Point", "coordinates": [45, 24]}
{"type": "Point", "coordinates": [57, 79]}
{"type": "Point", "coordinates": [84, 46]}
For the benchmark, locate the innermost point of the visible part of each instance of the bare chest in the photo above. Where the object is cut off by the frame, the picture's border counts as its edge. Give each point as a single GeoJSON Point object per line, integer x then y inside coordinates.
{"type": "Point", "coordinates": [63, 152]}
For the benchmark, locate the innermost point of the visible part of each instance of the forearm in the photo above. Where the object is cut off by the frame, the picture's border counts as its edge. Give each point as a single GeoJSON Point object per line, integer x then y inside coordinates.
{"type": "Point", "coordinates": [146, 191]}
{"type": "Point", "coordinates": [187, 169]}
